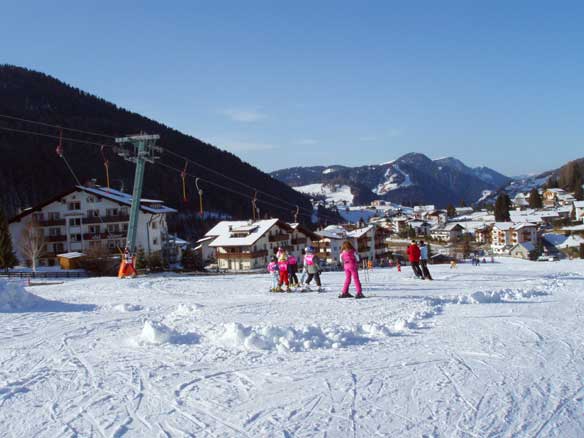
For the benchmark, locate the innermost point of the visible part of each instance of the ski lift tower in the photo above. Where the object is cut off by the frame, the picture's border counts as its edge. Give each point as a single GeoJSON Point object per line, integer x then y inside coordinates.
{"type": "Point", "coordinates": [137, 149]}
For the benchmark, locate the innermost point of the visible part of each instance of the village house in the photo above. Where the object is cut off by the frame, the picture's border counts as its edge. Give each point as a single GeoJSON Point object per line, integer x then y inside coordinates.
{"type": "Point", "coordinates": [579, 210]}
{"type": "Point", "coordinates": [242, 246]}
{"type": "Point", "coordinates": [421, 228]}
{"type": "Point", "coordinates": [524, 250]}
{"type": "Point", "coordinates": [436, 217]}
{"type": "Point", "coordinates": [505, 235]}
{"type": "Point", "coordinates": [91, 216]}
{"type": "Point", "coordinates": [450, 232]}
{"type": "Point", "coordinates": [520, 201]}
{"type": "Point", "coordinates": [363, 239]}
{"type": "Point", "coordinates": [483, 235]}
{"type": "Point", "coordinates": [554, 197]}
{"type": "Point", "coordinates": [328, 248]}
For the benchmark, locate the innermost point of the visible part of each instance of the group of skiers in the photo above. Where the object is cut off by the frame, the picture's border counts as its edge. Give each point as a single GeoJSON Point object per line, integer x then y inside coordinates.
{"type": "Point", "coordinates": [283, 268]}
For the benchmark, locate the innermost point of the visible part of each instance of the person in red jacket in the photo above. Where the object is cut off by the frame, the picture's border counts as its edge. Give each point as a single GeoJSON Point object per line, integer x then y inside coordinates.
{"type": "Point", "coordinates": [414, 256]}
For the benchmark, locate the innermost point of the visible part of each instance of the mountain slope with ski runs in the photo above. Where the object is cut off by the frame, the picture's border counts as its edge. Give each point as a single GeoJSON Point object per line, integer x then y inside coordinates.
{"type": "Point", "coordinates": [412, 178]}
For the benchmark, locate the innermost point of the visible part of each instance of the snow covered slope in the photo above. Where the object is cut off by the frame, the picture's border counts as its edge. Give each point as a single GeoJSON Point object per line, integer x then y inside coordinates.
{"type": "Point", "coordinates": [494, 350]}
{"type": "Point", "coordinates": [331, 193]}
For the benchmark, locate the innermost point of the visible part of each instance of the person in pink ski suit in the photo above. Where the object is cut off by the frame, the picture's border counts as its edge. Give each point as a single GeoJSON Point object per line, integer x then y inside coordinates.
{"type": "Point", "coordinates": [350, 260]}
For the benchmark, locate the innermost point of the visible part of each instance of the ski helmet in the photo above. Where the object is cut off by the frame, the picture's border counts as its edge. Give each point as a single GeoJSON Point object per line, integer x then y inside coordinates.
{"type": "Point", "coordinates": [309, 249]}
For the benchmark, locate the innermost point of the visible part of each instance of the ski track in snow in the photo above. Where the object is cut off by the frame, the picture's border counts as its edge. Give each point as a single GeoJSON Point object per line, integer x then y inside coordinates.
{"type": "Point", "coordinates": [489, 351]}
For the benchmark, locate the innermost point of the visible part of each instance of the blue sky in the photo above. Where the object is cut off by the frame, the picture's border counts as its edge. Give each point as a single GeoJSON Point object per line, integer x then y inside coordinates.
{"type": "Point", "coordinates": [280, 84]}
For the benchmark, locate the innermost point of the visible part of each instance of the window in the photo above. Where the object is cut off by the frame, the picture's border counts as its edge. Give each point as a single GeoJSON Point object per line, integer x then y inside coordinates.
{"type": "Point", "coordinates": [59, 248]}
{"type": "Point", "coordinates": [124, 211]}
{"type": "Point", "coordinates": [37, 217]}
{"type": "Point", "coordinates": [154, 225]}
{"type": "Point", "coordinates": [54, 231]}
{"type": "Point", "coordinates": [75, 237]}
{"type": "Point", "coordinates": [113, 228]}
{"type": "Point", "coordinates": [155, 241]}
{"type": "Point", "coordinates": [75, 205]}
{"type": "Point", "coordinates": [113, 212]}
{"type": "Point", "coordinates": [74, 221]}
{"type": "Point", "coordinates": [125, 227]}
{"type": "Point", "coordinates": [94, 229]}
{"type": "Point", "coordinates": [54, 216]}
{"type": "Point", "coordinates": [92, 213]}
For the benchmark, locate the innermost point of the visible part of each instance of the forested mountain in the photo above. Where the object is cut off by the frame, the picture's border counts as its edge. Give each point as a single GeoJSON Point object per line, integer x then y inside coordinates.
{"type": "Point", "coordinates": [30, 170]}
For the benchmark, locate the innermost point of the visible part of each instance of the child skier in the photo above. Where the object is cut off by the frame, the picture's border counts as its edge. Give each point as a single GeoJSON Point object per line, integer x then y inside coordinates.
{"type": "Point", "coordinates": [312, 268]}
{"type": "Point", "coordinates": [350, 260]}
{"type": "Point", "coordinates": [292, 270]}
{"type": "Point", "coordinates": [274, 271]}
{"type": "Point", "coordinates": [283, 266]}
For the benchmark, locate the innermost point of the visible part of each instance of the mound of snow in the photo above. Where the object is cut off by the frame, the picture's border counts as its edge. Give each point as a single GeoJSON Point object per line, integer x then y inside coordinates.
{"type": "Point", "coordinates": [283, 339]}
{"type": "Point", "coordinates": [157, 333]}
{"type": "Point", "coordinates": [499, 296]}
{"type": "Point", "coordinates": [13, 297]}
{"type": "Point", "coordinates": [127, 308]}
{"type": "Point", "coordinates": [187, 309]}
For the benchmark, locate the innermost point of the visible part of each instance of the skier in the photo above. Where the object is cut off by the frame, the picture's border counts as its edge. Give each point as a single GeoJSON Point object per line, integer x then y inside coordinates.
{"type": "Point", "coordinates": [283, 266]}
{"type": "Point", "coordinates": [292, 270]}
{"type": "Point", "coordinates": [424, 260]}
{"type": "Point", "coordinates": [127, 268]}
{"type": "Point", "coordinates": [398, 265]}
{"type": "Point", "coordinates": [312, 268]}
{"type": "Point", "coordinates": [414, 255]}
{"type": "Point", "coordinates": [274, 271]}
{"type": "Point", "coordinates": [350, 260]}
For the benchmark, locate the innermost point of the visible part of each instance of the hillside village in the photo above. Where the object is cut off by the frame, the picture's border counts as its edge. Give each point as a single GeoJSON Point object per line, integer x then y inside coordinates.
{"type": "Point", "coordinates": [90, 219]}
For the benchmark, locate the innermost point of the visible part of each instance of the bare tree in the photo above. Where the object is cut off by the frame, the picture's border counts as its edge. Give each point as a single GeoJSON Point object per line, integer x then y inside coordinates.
{"type": "Point", "coordinates": [32, 242]}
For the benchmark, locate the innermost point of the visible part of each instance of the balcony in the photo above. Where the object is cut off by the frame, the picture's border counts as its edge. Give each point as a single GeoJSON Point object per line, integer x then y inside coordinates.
{"type": "Point", "coordinates": [363, 249]}
{"type": "Point", "coordinates": [105, 219]}
{"type": "Point", "coordinates": [58, 238]}
{"type": "Point", "coordinates": [278, 237]}
{"type": "Point", "coordinates": [299, 241]}
{"type": "Point", "coordinates": [241, 255]}
{"type": "Point", "coordinates": [52, 223]}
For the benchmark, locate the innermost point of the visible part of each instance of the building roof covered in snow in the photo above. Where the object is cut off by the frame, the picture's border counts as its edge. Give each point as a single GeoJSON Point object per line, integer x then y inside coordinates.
{"type": "Point", "coordinates": [359, 232]}
{"type": "Point", "coordinates": [237, 234]}
{"type": "Point", "coordinates": [153, 206]}
{"type": "Point", "coordinates": [71, 255]}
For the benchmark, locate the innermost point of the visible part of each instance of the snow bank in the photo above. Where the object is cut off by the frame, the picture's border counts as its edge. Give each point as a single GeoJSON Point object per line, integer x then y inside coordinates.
{"type": "Point", "coordinates": [13, 297]}
{"type": "Point", "coordinates": [283, 339]}
{"type": "Point", "coordinates": [499, 296]}
{"type": "Point", "coordinates": [187, 309]}
{"type": "Point", "coordinates": [156, 333]}
{"type": "Point", "coordinates": [127, 308]}
{"type": "Point", "coordinates": [490, 296]}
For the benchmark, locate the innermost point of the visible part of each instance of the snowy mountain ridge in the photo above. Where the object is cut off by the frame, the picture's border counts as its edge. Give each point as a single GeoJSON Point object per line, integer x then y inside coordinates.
{"type": "Point", "coordinates": [412, 178]}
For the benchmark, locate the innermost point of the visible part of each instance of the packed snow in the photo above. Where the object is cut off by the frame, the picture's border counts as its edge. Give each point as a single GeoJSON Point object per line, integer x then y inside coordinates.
{"type": "Point", "coordinates": [493, 350]}
{"type": "Point", "coordinates": [333, 193]}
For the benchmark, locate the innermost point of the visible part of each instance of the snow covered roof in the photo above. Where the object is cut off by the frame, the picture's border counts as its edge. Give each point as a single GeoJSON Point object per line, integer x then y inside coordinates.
{"type": "Point", "coordinates": [153, 206]}
{"type": "Point", "coordinates": [574, 228]}
{"type": "Point", "coordinates": [505, 226]}
{"type": "Point", "coordinates": [71, 255]}
{"type": "Point", "coordinates": [252, 232]}
{"type": "Point", "coordinates": [579, 204]}
{"type": "Point", "coordinates": [223, 228]}
{"type": "Point", "coordinates": [527, 245]}
{"type": "Point", "coordinates": [571, 242]}
{"type": "Point", "coordinates": [360, 232]}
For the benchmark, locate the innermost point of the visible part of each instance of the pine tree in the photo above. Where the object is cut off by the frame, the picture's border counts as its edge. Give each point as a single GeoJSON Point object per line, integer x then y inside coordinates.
{"type": "Point", "coordinates": [189, 260]}
{"type": "Point", "coordinates": [450, 210]}
{"type": "Point", "coordinates": [535, 200]}
{"type": "Point", "coordinates": [578, 193]}
{"type": "Point", "coordinates": [141, 261]}
{"type": "Point", "coordinates": [7, 257]}
{"type": "Point", "coordinates": [463, 203]}
{"type": "Point", "coordinates": [502, 206]}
